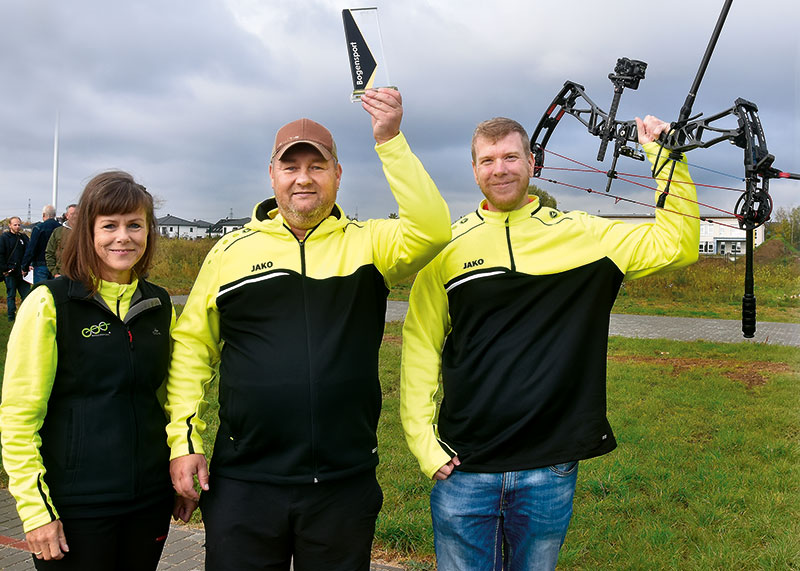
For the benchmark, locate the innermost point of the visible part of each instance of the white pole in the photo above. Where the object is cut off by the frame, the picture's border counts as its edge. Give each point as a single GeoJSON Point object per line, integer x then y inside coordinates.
{"type": "Point", "coordinates": [55, 165]}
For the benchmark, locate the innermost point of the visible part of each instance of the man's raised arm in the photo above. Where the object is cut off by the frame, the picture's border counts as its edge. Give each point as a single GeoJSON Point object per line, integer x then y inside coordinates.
{"type": "Point", "coordinates": [404, 246]}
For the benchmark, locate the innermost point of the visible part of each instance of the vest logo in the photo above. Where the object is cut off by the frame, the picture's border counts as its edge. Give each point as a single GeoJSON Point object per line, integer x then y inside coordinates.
{"type": "Point", "coordinates": [261, 266]}
{"type": "Point", "coordinates": [156, 331]}
{"type": "Point", "coordinates": [98, 330]}
{"type": "Point", "coordinates": [473, 263]}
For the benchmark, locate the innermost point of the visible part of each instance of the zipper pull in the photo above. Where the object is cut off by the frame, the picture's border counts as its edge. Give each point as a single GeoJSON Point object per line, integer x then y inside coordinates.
{"type": "Point", "coordinates": [130, 338]}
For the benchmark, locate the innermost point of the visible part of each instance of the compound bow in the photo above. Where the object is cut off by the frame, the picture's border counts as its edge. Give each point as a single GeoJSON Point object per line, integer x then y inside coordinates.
{"type": "Point", "coordinates": [754, 206]}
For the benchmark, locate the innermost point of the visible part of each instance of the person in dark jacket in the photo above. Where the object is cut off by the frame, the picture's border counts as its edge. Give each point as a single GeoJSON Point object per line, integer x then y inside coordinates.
{"type": "Point", "coordinates": [288, 314]}
{"type": "Point", "coordinates": [55, 245]}
{"type": "Point", "coordinates": [12, 247]}
{"type": "Point", "coordinates": [83, 431]}
{"type": "Point", "coordinates": [34, 258]}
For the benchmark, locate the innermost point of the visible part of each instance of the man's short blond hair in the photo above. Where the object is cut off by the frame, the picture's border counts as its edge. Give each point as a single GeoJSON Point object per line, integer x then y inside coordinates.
{"type": "Point", "coordinates": [497, 128]}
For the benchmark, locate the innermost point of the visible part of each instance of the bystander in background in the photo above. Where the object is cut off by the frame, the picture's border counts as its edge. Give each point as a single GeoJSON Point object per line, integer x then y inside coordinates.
{"type": "Point", "coordinates": [13, 244]}
{"type": "Point", "coordinates": [55, 245]}
{"type": "Point", "coordinates": [34, 259]}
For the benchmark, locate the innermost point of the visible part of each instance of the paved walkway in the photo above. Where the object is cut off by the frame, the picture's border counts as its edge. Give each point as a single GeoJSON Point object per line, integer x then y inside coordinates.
{"type": "Point", "coordinates": [184, 548]}
{"type": "Point", "coordinates": [691, 329]}
{"type": "Point", "coordinates": [182, 552]}
{"type": "Point", "coordinates": [680, 328]}
{"type": "Point", "coordinates": [660, 327]}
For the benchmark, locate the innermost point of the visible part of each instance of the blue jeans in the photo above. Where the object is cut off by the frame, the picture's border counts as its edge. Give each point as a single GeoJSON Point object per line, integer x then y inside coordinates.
{"type": "Point", "coordinates": [14, 284]}
{"type": "Point", "coordinates": [40, 274]}
{"type": "Point", "coordinates": [512, 521]}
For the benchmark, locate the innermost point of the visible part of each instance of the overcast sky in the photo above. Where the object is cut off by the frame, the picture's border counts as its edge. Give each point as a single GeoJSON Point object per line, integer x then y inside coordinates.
{"type": "Point", "coordinates": [187, 94]}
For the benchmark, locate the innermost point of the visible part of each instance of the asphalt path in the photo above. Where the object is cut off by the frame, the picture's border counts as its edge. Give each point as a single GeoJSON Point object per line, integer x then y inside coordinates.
{"type": "Point", "coordinates": [680, 328]}
{"type": "Point", "coordinates": [660, 327]}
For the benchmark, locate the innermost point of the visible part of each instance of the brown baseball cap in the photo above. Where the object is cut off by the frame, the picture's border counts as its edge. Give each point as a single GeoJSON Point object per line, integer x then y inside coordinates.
{"type": "Point", "coordinates": [304, 131]}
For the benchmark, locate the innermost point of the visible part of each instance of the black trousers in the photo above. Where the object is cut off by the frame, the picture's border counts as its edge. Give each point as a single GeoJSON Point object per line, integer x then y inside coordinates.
{"type": "Point", "coordinates": [129, 542]}
{"type": "Point", "coordinates": [327, 526]}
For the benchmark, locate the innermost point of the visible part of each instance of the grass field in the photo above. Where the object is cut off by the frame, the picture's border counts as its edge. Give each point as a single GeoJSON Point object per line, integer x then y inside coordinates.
{"type": "Point", "coordinates": [713, 288]}
{"type": "Point", "coordinates": [710, 288]}
{"type": "Point", "coordinates": [706, 475]}
{"type": "Point", "coordinates": [707, 472]}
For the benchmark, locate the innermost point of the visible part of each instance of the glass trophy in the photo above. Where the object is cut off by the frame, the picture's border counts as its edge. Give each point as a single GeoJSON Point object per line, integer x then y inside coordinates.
{"type": "Point", "coordinates": [365, 50]}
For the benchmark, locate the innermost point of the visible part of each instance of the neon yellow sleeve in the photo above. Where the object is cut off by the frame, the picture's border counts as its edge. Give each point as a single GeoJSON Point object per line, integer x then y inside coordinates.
{"type": "Point", "coordinates": [30, 370]}
{"type": "Point", "coordinates": [405, 245]}
{"type": "Point", "coordinates": [426, 327]}
{"type": "Point", "coordinates": [195, 361]}
{"type": "Point", "coordinates": [672, 241]}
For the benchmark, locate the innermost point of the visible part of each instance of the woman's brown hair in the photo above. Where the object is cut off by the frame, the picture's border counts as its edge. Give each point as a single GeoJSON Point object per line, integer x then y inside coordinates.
{"type": "Point", "coordinates": [112, 192]}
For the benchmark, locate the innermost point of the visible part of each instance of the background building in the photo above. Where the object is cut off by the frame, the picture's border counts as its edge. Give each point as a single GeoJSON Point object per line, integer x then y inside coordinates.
{"type": "Point", "coordinates": [714, 237]}
{"type": "Point", "coordinates": [173, 227]}
{"type": "Point", "coordinates": [225, 225]}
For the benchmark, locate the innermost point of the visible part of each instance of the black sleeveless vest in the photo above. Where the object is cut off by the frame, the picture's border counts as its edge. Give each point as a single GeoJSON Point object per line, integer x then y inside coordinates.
{"type": "Point", "coordinates": [104, 442]}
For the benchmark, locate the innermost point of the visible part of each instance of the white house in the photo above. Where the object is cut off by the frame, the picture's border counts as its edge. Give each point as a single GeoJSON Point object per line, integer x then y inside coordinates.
{"type": "Point", "coordinates": [225, 225]}
{"type": "Point", "coordinates": [173, 227]}
{"type": "Point", "coordinates": [718, 234]}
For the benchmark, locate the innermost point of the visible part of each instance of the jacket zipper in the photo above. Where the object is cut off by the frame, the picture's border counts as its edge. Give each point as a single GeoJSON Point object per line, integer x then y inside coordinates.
{"type": "Point", "coordinates": [136, 481]}
{"type": "Point", "coordinates": [132, 396]}
{"type": "Point", "coordinates": [131, 364]}
{"type": "Point", "coordinates": [302, 244]}
{"type": "Point", "coordinates": [510, 250]}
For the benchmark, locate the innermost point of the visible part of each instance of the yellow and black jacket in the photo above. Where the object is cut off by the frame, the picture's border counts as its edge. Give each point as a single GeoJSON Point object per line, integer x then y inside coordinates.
{"type": "Point", "coordinates": [514, 314]}
{"type": "Point", "coordinates": [83, 389]}
{"type": "Point", "coordinates": [293, 328]}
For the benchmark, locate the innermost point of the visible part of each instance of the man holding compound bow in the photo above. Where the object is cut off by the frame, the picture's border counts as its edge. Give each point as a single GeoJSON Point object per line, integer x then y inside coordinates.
{"type": "Point", "coordinates": [514, 315]}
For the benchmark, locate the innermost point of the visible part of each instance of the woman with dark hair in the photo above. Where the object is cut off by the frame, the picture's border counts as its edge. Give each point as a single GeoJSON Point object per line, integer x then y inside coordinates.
{"type": "Point", "coordinates": [82, 418]}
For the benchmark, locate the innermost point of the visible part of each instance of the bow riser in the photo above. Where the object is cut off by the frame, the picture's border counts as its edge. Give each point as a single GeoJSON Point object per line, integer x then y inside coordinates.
{"type": "Point", "coordinates": [754, 207]}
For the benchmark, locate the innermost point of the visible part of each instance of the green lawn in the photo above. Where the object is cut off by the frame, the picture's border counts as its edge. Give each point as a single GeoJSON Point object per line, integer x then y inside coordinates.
{"type": "Point", "coordinates": [706, 475]}
{"type": "Point", "coordinates": [710, 288]}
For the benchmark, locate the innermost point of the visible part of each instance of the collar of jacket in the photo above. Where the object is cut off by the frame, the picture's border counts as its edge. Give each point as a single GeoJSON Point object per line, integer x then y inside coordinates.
{"type": "Point", "coordinates": [49, 223]}
{"type": "Point", "coordinates": [111, 289]}
{"type": "Point", "coordinates": [527, 211]}
{"type": "Point", "coordinates": [266, 218]}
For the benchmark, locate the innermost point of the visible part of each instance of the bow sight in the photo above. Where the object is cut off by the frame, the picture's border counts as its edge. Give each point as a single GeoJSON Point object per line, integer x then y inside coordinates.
{"type": "Point", "coordinates": [627, 73]}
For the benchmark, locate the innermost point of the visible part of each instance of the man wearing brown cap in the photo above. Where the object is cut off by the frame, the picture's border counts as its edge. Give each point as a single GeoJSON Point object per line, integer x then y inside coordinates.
{"type": "Point", "coordinates": [288, 313]}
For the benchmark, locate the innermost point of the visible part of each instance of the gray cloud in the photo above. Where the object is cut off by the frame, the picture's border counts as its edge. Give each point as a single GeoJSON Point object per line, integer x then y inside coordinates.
{"type": "Point", "coordinates": [188, 95]}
